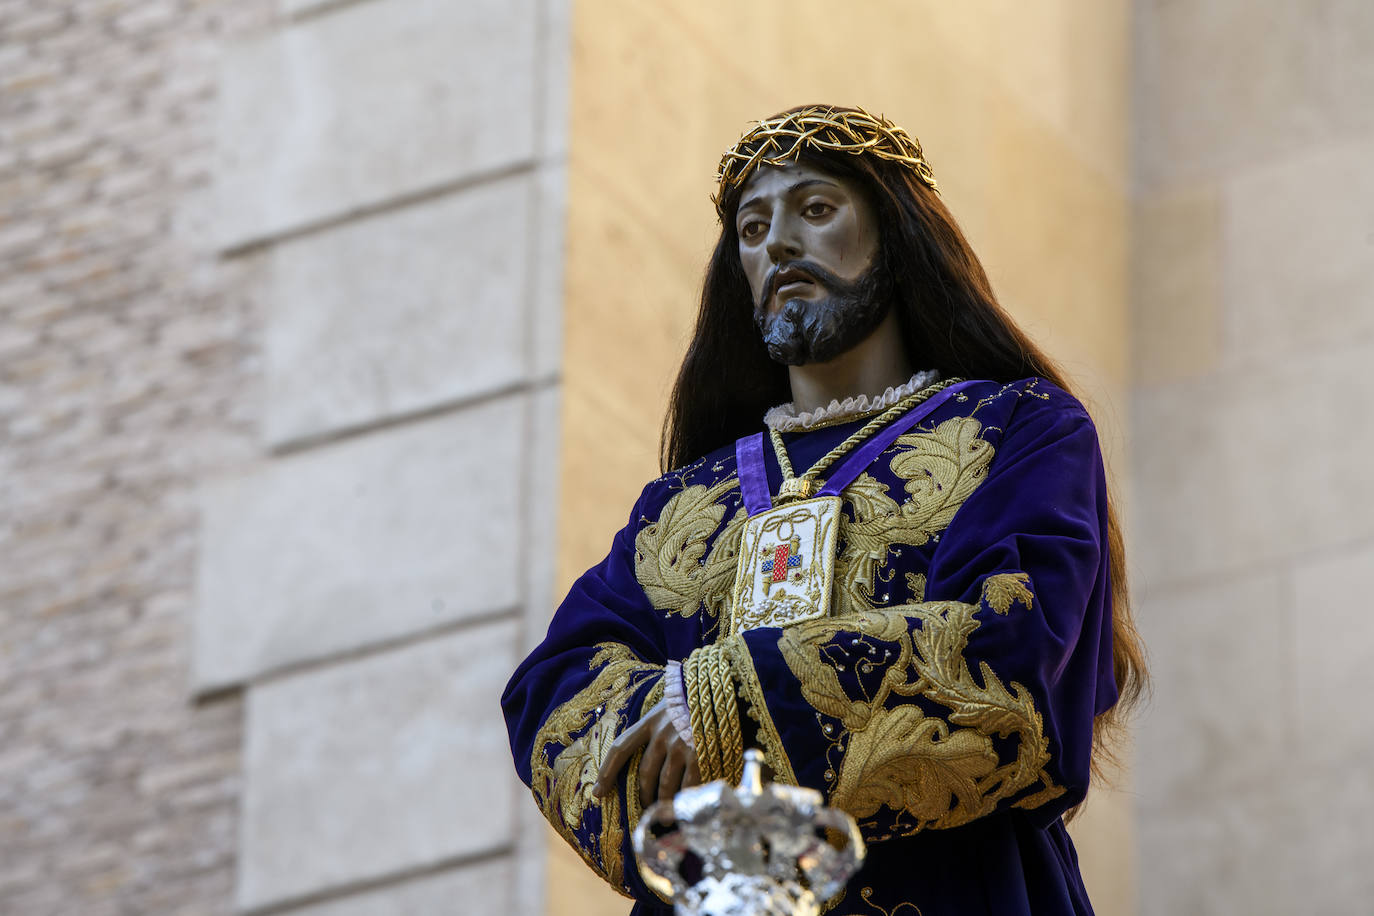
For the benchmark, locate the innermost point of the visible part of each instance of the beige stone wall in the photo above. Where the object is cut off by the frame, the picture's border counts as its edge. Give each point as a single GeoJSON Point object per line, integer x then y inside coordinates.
{"type": "Point", "coordinates": [278, 394]}
{"type": "Point", "coordinates": [389, 176]}
{"type": "Point", "coordinates": [1253, 332]}
{"type": "Point", "coordinates": [1023, 112]}
{"type": "Point", "coordinates": [122, 360]}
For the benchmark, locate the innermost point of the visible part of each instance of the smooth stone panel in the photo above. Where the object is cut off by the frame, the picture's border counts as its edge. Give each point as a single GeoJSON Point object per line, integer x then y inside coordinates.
{"type": "Point", "coordinates": [301, 7]}
{"type": "Point", "coordinates": [543, 460]}
{"type": "Point", "coordinates": [1219, 718]}
{"type": "Point", "coordinates": [1224, 85]}
{"type": "Point", "coordinates": [1244, 468]}
{"type": "Point", "coordinates": [1064, 61]}
{"type": "Point", "coordinates": [1300, 252]}
{"type": "Point", "coordinates": [547, 271]}
{"type": "Point", "coordinates": [368, 103]}
{"type": "Point", "coordinates": [370, 539]}
{"type": "Point", "coordinates": [398, 312]}
{"type": "Point", "coordinates": [376, 766]}
{"type": "Point", "coordinates": [1176, 269]}
{"type": "Point", "coordinates": [480, 888]}
{"type": "Point", "coordinates": [1335, 845]}
{"type": "Point", "coordinates": [1238, 855]}
{"type": "Point", "coordinates": [1334, 644]}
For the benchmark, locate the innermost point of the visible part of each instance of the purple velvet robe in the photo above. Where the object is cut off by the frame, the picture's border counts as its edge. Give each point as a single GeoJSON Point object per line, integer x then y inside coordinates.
{"type": "Point", "coordinates": [947, 702]}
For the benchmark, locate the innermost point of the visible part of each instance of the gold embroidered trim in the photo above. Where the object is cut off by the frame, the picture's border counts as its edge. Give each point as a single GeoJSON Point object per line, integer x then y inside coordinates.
{"type": "Point", "coordinates": [900, 909]}
{"type": "Point", "coordinates": [802, 532]}
{"type": "Point", "coordinates": [562, 781]}
{"type": "Point", "coordinates": [938, 771]}
{"type": "Point", "coordinates": [633, 803]}
{"type": "Point", "coordinates": [1002, 591]}
{"type": "Point", "coordinates": [669, 552]}
{"type": "Point", "coordinates": [736, 651]}
{"type": "Point", "coordinates": [941, 469]}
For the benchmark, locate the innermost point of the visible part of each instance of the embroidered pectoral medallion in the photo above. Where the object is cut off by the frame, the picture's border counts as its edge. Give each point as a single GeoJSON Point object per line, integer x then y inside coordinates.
{"type": "Point", "coordinates": [786, 566]}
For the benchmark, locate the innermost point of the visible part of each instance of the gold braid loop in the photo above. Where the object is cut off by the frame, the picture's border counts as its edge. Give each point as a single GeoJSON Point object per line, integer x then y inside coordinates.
{"type": "Point", "coordinates": [727, 718]}
{"type": "Point", "coordinates": [698, 704]}
{"type": "Point", "coordinates": [714, 708]}
{"type": "Point", "coordinates": [839, 451]}
{"type": "Point", "coordinates": [819, 128]}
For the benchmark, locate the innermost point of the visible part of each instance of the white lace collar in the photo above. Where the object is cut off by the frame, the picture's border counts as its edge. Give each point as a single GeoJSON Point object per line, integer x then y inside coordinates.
{"type": "Point", "coordinates": [786, 419]}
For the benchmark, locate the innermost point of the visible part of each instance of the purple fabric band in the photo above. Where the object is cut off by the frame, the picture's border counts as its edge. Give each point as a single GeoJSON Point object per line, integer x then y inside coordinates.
{"type": "Point", "coordinates": [867, 453]}
{"type": "Point", "coordinates": [753, 477]}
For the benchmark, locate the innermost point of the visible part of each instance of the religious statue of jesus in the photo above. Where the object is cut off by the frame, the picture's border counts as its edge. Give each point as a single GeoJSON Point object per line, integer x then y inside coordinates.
{"type": "Point", "coordinates": [882, 550]}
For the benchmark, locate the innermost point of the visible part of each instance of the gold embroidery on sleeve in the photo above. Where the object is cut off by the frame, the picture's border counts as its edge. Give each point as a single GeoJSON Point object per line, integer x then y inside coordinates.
{"type": "Point", "coordinates": [941, 469]}
{"type": "Point", "coordinates": [930, 771]}
{"type": "Point", "coordinates": [670, 553]}
{"type": "Point", "coordinates": [633, 803]}
{"type": "Point", "coordinates": [1004, 590]}
{"type": "Point", "coordinates": [562, 785]}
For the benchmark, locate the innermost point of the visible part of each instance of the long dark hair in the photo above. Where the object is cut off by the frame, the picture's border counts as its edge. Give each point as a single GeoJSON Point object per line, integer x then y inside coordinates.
{"type": "Point", "coordinates": [949, 320]}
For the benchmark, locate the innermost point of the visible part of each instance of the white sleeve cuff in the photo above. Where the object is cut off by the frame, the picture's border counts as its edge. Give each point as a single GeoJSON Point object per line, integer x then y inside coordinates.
{"type": "Point", "coordinates": [676, 700]}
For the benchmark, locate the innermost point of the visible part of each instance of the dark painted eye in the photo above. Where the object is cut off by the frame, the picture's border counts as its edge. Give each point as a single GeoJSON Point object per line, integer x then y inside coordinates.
{"type": "Point", "coordinates": [751, 229]}
{"type": "Point", "coordinates": [817, 208]}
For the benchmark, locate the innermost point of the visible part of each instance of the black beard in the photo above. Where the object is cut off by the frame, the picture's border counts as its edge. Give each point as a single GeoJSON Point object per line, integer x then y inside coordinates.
{"type": "Point", "coordinates": [806, 331]}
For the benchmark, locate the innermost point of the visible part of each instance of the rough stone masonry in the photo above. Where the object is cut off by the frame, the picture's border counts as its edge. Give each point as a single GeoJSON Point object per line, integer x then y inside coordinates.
{"type": "Point", "coordinates": [124, 362]}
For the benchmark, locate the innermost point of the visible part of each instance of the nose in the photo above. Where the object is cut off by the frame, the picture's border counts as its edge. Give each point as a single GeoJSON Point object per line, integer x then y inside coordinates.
{"type": "Point", "coordinates": [783, 244]}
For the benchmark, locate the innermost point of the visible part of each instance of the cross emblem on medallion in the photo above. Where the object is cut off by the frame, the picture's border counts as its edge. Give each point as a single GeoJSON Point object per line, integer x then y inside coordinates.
{"type": "Point", "coordinates": [784, 558]}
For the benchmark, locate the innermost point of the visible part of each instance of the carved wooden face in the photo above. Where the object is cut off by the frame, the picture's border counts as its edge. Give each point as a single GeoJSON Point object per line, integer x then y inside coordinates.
{"type": "Point", "coordinates": [808, 243]}
{"type": "Point", "coordinates": [797, 212]}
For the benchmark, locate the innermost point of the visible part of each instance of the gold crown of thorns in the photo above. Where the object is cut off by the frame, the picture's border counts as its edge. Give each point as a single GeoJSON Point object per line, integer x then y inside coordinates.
{"type": "Point", "coordinates": [843, 130]}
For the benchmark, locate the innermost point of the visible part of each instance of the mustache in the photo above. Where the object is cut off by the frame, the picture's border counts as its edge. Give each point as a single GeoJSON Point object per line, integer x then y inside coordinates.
{"type": "Point", "coordinates": [803, 331]}
{"type": "Point", "coordinates": [813, 271]}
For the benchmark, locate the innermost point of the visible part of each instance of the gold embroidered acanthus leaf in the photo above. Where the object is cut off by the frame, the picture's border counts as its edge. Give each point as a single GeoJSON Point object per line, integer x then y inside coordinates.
{"type": "Point", "coordinates": [1004, 590]}
{"type": "Point", "coordinates": [800, 648]}
{"type": "Point", "coordinates": [941, 772]}
{"type": "Point", "coordinates": [564, 768]}
{"type": "Point", "coordinates": [669, 552]}
{"type": "Point", "coordinates": [941, 469]}
{"type": "Point", "coordinates": [906, 760]}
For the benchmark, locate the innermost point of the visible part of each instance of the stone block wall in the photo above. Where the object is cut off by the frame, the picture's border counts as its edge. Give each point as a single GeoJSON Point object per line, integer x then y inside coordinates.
{"type": "Point", "coordinates": [127, 372]}
{"type": "Point", "coordinates": [279, 395]}
{"type": "Point", "coordinates": [1253, 328]}
{"type": "Point", "coordinates": [392, 169]}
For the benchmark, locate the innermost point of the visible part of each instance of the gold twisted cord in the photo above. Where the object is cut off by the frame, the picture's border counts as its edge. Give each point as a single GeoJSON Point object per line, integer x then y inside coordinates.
{"type": "Point", "coordinates": [713, 698]}
{"type": "Point", "coordinates": [705, 732]}
{"type": "Point", "coordinates": [727, 717]}
{"type": "Point", "coordinates": [721, 694]}
{"type": "Point", "coordinates": [858, 436]}
{"type": "Point", "coordinates": [694, 707]}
